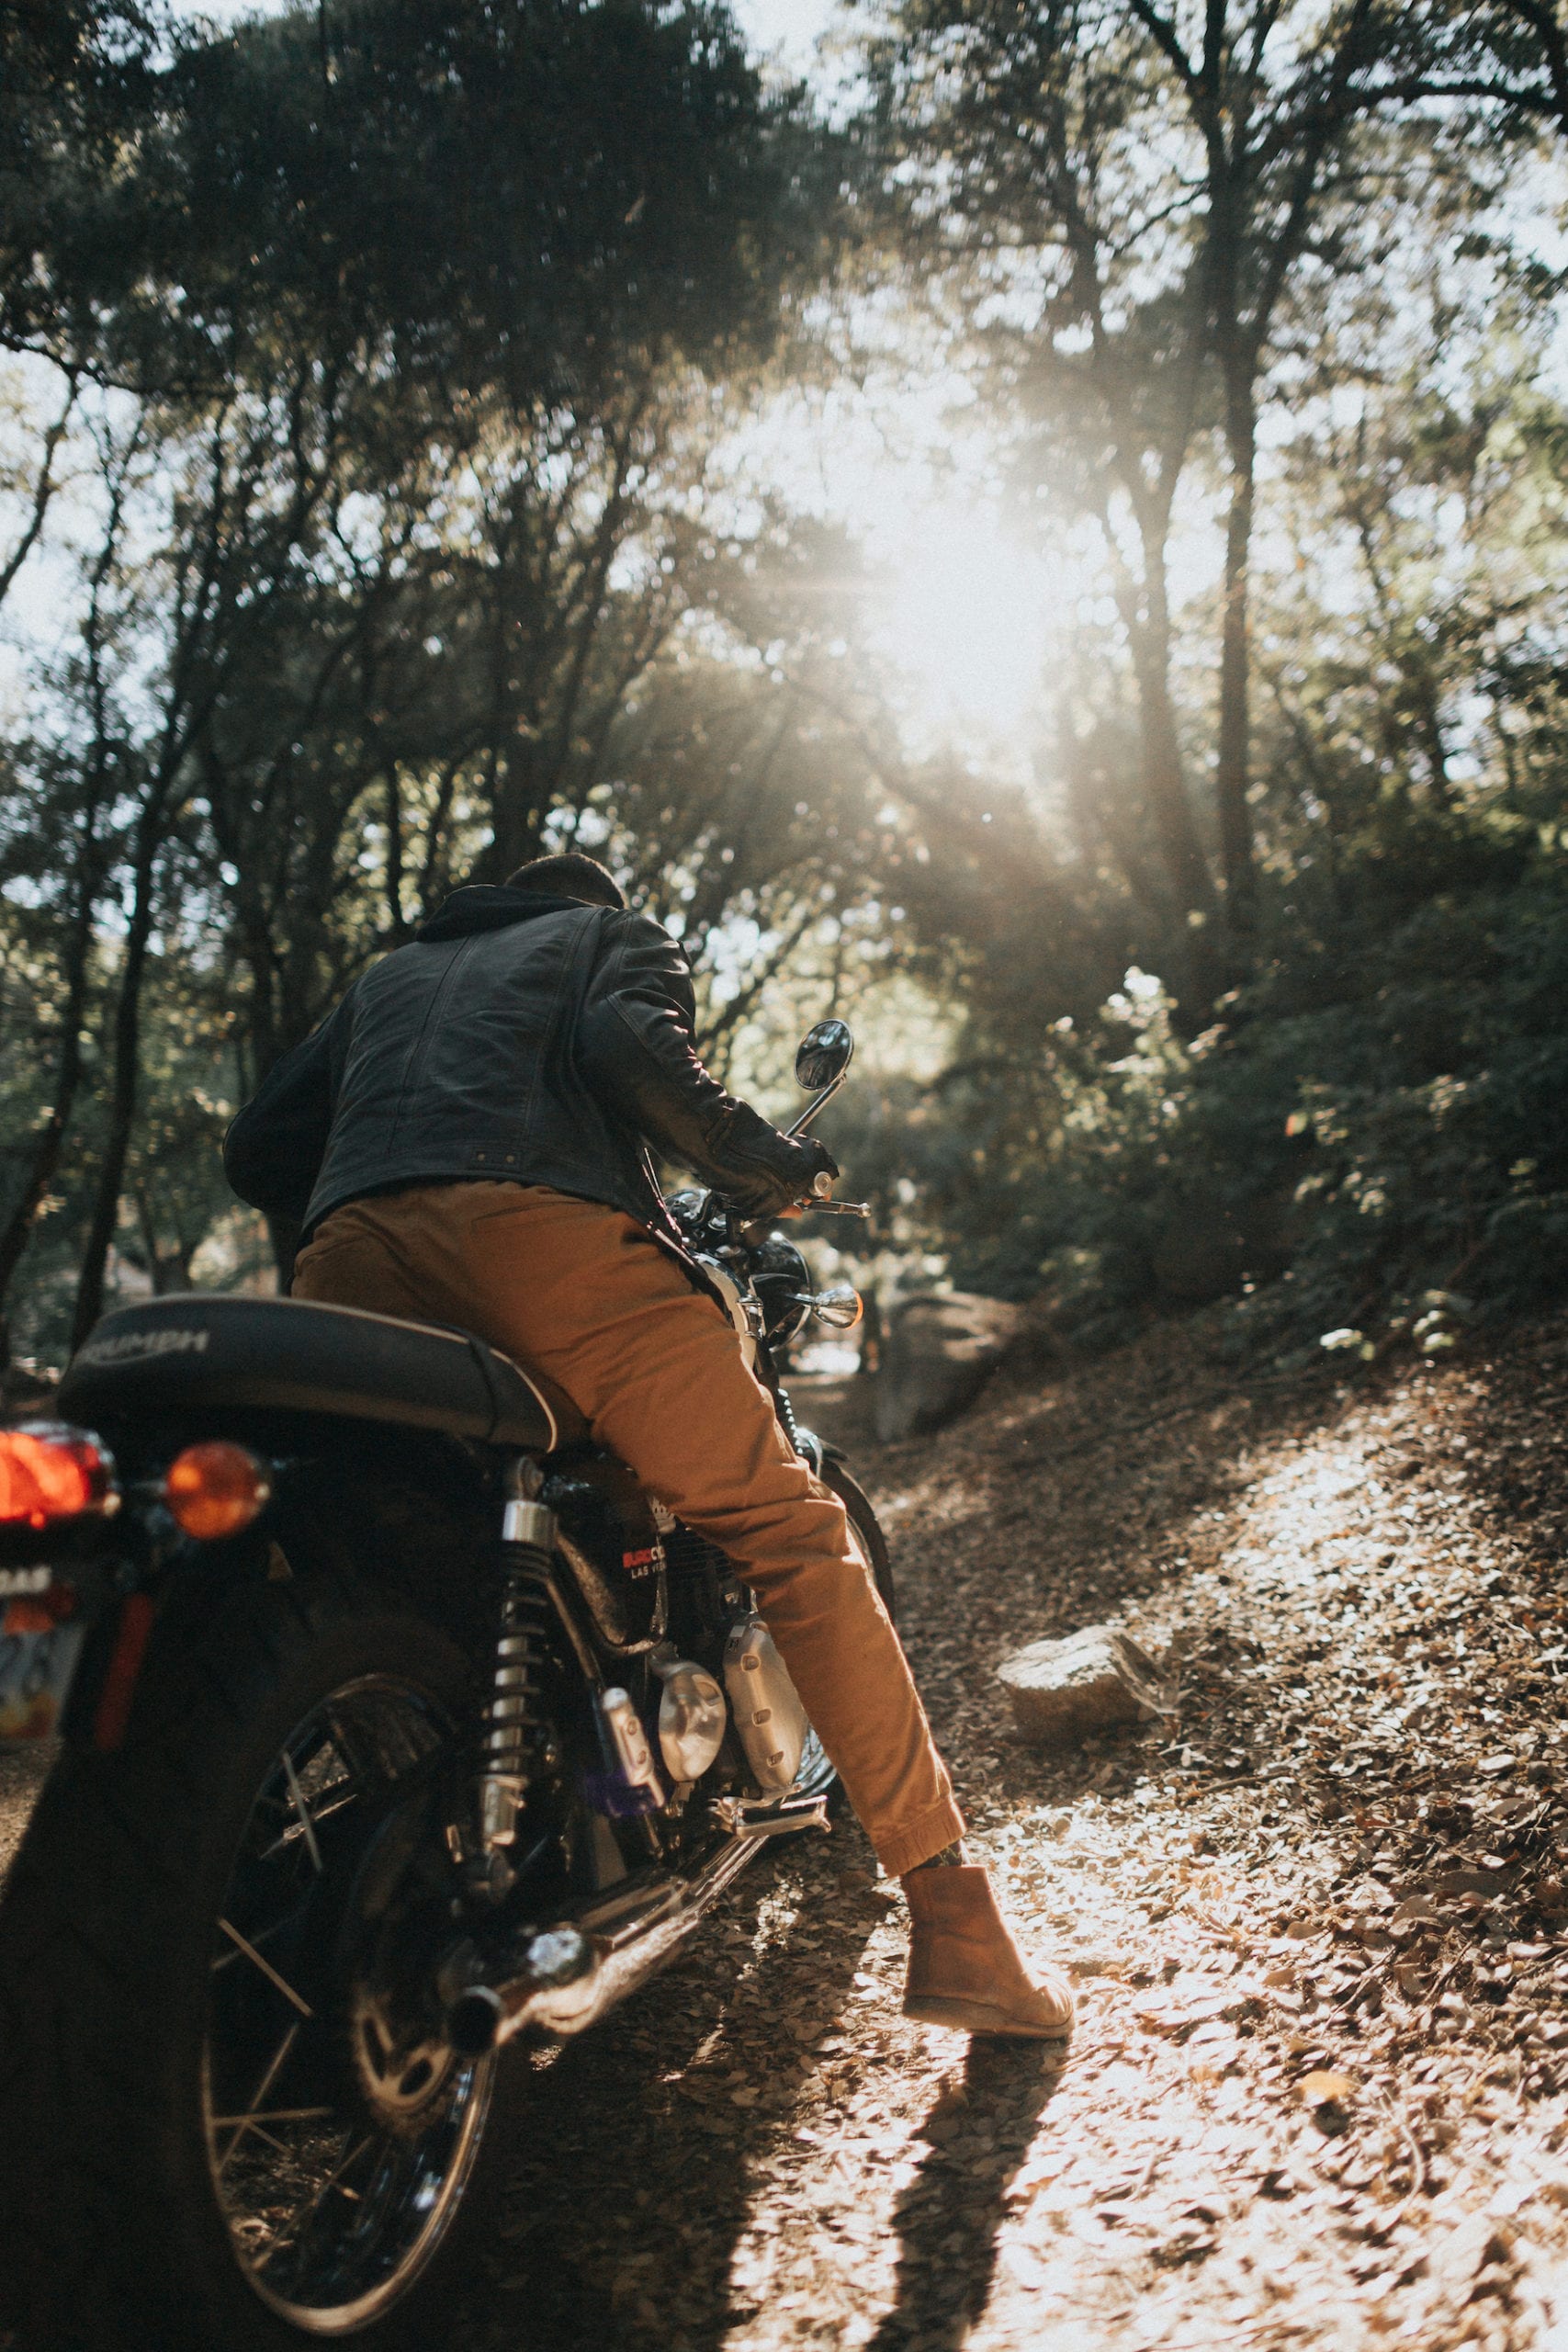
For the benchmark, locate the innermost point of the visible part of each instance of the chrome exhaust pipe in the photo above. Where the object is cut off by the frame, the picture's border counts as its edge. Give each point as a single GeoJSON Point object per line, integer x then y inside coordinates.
{"type": "Point", "coordinates": [562, 1979]}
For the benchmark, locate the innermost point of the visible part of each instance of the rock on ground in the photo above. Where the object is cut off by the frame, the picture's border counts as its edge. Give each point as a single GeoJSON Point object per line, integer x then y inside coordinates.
{"type": "Point", "coordinates": [939, 1349]}
{"type": "Point", "coordinates": [1064, 1690]}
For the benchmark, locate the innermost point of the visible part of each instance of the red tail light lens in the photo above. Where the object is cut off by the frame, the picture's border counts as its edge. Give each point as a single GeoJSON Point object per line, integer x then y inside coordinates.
{"type": "Point", "coordinates": [49, 1473]}
{"type": "Point", "coordinates": [215, 1491]}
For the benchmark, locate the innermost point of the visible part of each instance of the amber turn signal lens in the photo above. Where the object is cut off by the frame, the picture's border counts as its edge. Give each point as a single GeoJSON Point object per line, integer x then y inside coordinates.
{"type": "Point", "coordinates": [215, 1491]}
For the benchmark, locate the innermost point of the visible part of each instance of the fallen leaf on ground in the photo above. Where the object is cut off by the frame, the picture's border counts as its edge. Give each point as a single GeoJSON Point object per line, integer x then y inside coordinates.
{"type": "Point", "coordinates": [1324, 2089]}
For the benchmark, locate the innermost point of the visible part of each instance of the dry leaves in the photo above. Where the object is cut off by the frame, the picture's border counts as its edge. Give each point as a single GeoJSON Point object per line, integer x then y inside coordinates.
{"type": "Point", "coordinates": [1318, 2096]}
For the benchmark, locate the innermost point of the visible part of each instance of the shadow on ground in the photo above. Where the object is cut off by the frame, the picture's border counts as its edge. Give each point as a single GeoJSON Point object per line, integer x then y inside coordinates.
{"type": "Point", "coordinates": [948, 2219]}
{"type": "Point", "coordinates": [638, 2179]}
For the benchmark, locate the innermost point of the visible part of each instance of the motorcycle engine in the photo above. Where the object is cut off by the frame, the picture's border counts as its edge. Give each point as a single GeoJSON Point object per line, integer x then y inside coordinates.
{"type": "Point", "coordinates": [692, 1717]}
{"type": "Point", "coordinates": [769, 1717]}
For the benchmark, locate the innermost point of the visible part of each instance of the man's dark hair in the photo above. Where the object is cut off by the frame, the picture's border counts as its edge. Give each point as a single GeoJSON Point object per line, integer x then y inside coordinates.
{"type": "Point", "coordinates": [570, 876]}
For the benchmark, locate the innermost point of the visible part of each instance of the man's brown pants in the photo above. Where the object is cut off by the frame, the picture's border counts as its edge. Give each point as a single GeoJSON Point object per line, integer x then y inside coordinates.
{"type": "Point", "coordinates": [582, 1295]}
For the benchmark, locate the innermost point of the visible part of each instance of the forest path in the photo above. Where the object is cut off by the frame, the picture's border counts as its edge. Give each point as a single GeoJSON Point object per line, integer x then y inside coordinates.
{"type": "Point", "coordinates": [1343, 1865]}
{"type": "Point", "coordinates": [1318, 2094]}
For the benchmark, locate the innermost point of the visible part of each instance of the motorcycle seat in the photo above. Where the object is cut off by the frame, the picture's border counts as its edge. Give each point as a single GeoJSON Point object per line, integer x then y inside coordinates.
{"type": "Point", "coordinates": [202, 1349]}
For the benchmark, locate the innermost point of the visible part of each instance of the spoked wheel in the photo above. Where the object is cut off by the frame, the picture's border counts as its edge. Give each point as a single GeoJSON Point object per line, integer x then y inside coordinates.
{"type": "Point", "coordinates": [341, 2126]}
{"type": "Point", "coordinates": [232, 2117]}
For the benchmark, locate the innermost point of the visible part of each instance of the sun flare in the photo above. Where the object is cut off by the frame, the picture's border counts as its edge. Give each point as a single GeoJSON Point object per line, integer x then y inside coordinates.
{"type": "Point", "coordinates": [967, 618]}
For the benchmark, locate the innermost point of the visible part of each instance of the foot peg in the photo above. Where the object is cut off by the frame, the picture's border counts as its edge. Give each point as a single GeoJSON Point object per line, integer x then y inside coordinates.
{"type": "Point", "coordinates": [743, 1820]}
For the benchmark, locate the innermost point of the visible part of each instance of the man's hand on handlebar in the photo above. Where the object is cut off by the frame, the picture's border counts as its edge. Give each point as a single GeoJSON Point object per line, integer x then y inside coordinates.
{"type": "Point", "coordinates": [821, 1168]}
{"type": "Point", "coordinates": [821, 1199]}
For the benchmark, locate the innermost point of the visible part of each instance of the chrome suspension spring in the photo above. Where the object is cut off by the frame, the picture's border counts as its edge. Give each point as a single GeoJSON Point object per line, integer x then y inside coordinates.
{"type": "Point", "coordinates": [512, 1727]}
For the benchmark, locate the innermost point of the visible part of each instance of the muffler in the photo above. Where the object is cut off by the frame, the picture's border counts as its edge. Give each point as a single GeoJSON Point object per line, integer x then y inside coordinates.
{"type": "Point", "coordinates": [562, 1979]}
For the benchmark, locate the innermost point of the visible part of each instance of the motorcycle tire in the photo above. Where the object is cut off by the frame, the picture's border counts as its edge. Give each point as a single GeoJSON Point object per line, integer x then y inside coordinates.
{"type": "Point", "coordinates": [126, 1993]}
{"type": "Point", "coordinates": [864, 1519]}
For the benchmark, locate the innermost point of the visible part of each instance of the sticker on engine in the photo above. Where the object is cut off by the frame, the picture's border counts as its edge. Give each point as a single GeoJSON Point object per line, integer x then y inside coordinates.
{"type": "Point", "coordinates": [647, 1563]}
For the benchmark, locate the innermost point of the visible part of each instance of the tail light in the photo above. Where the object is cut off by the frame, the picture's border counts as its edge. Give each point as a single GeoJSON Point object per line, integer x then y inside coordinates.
{"type": "Point", "coordinates": [49, 1473]}
{"type": "Point", "coordinates": [215, 1490]}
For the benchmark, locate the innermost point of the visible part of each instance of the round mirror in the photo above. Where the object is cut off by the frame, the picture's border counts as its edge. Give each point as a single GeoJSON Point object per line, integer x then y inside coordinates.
{"type": "Point", "coordinates": [824, 1056]}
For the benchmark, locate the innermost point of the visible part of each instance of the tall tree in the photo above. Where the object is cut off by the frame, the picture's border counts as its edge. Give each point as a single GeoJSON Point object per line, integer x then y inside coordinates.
{"type": "Point", "coordinates": [410, 303]}
{"type": "Point", "coordinates": [1025, 128]}
{"type": "Point", "coordinates": [1135, 193]}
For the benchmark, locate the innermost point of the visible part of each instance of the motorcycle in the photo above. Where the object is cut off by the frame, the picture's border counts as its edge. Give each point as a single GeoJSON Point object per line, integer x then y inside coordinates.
{"type": "Point", "coordinates": [400, 1731]}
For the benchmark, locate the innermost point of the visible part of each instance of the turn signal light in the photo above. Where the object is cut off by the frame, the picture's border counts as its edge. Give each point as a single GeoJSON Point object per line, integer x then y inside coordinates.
{"type": "Point", "coordinates": [215, 1490]}
{"type": "Point", "coordinates": [49, 1473]}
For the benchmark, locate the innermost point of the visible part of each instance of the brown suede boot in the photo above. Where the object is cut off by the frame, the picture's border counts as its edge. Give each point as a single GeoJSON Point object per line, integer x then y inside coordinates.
{"type": "Point", "coordinates": [964, 1968]}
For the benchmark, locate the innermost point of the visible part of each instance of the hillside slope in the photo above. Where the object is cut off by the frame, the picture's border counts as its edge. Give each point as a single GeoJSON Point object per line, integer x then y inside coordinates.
{"type": "Point", "coordinates": [1319, 2093]}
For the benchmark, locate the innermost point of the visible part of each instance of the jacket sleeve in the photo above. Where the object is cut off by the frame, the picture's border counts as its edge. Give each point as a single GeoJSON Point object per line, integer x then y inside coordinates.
{"type": "Point", "coordinates": [273, 1151]}
{"type": "Point", "coordinates": [638, 1052]}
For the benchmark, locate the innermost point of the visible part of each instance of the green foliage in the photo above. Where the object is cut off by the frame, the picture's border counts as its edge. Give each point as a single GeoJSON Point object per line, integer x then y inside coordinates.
{"type": "Point", "coordinates": [1381, 1114]}
{"type": "Point", "coordinates": [398, 354]}
{"type": "Point", "coordinates": [390, 557]}
{"type": "Point", "coordinates": [522, 197]}
{"type": "Point", "coordinates": [1436, 1103]}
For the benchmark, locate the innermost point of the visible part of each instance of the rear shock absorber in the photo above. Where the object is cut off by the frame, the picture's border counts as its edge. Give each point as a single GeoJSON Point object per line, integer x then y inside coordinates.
{"type": "Point", "coordinates": [512, 1726]}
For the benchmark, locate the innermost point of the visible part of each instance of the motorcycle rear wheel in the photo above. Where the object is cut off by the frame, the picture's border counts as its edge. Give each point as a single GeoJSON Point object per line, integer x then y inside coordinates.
{"type": "Point", "coordinates": [864, 1519]}
{"type": "Point", "coordinates": [213, 2134]}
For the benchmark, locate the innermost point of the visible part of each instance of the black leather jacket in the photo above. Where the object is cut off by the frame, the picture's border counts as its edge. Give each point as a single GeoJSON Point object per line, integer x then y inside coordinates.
{"type": "Point", "coordinates": [530, 1039]}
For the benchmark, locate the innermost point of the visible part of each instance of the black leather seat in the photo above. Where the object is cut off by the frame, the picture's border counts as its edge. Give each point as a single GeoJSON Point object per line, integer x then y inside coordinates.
{"type": "Point", "coordinates": [293, 1355]}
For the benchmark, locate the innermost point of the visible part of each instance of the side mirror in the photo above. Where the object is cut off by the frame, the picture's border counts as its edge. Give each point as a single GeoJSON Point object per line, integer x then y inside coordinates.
{"type": "Point", "coordinates": [825, 1054]}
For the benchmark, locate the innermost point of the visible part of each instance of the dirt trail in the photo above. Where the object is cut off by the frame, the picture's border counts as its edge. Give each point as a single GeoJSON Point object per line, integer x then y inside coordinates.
{"type": "Point", "coordinates": [1319, 1926]}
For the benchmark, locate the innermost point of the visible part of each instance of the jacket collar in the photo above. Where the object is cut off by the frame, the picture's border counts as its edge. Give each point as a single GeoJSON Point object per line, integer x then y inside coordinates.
{"type": "Point", "coordinates": [482, 906]}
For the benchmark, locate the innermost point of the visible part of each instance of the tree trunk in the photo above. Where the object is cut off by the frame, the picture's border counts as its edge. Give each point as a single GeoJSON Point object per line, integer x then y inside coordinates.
{"type": "Point", "coordinates": [1231, 776]}
{"type": "Point", "coordinates": [126, 1077]}
{"type": "Point", "coordinates": [50, 1139]}
{"type": "Point", "coordinates": [1164, 786]}
{"type": "Point", "coordinates": [271, 1032]}
{"type": "Point", "coordinates": [283, 1233]}
{"type": "Point", "coordinates": [43, 493]}
{"type": "Point", "coordinates": [1191, 963]}
{"type": "Point", "coordinates": [1429, 731]}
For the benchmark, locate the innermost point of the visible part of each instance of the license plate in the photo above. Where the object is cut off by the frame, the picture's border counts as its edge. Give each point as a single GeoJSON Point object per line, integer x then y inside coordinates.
{"type": "Point", "coordinates": [37, 1658]}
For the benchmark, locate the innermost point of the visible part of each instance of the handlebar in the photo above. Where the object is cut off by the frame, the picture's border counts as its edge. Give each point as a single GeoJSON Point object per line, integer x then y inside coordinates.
{"type": "Point", "coordinates": [814, 1204]}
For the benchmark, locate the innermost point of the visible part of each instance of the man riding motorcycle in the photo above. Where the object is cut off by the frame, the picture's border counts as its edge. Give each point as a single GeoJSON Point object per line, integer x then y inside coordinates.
{"type": "Point", "coordinates": [465, 1140]}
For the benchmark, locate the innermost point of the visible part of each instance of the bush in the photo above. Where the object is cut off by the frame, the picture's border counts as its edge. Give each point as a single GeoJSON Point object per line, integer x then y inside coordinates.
{"type": "Point", "coordinates": [1381, 1113]}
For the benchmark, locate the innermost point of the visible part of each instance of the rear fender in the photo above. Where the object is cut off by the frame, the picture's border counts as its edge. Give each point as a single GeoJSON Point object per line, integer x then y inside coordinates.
{"type": "Point", "coordinates": [414, 1509]}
